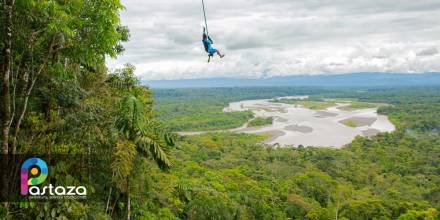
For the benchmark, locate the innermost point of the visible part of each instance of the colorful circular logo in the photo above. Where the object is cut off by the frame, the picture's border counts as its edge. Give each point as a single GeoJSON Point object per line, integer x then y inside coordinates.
{"type": "Point", "coordinates": [38, 168]}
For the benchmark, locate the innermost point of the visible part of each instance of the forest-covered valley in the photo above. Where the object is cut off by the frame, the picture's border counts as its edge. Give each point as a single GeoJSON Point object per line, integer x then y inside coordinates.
{"type": "Point", "coordinates": [59, 98]}
{"type": "Point", "coordinates": [363, 180]}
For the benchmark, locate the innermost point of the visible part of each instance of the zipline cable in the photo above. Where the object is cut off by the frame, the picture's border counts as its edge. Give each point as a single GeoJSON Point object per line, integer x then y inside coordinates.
{"type": "Point", "coordinates": [204, 15]}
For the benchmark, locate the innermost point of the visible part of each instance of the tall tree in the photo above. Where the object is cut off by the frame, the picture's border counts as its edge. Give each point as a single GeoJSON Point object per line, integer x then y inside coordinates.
{"type": "Point", "coordinates": [140, 135]}
{"type": "Point", "coordinates": [51, 38]}
{"type": "Point", "coordinates": [6, 72]}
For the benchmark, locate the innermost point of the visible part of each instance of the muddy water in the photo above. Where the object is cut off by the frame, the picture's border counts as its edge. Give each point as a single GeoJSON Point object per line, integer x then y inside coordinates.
{"type": "Point", "coordinates": [297, 125]}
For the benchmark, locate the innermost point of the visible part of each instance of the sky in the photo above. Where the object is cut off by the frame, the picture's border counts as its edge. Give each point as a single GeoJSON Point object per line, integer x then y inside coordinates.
{"type": "Point", "coordinates": [266, 38]}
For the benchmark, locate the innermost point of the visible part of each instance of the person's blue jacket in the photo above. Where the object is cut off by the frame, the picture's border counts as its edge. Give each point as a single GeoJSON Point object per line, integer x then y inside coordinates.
{"type": "Point", "coordinates": [207, 43]}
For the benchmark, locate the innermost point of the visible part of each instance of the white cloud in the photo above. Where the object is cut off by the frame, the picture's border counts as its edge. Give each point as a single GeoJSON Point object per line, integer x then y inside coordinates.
{"type": "Point", "coordinates": [281, 37]}
{"type": "Point", "coordinates": [428, 52]}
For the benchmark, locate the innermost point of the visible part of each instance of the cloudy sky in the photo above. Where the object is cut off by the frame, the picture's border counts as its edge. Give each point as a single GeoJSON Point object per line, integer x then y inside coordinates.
{"type": "Point", "coordinates": [263, 38]}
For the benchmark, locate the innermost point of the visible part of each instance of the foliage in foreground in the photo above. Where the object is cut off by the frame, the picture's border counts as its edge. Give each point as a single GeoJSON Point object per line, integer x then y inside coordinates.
{"type": "Point", "coordinates": [59, 98]}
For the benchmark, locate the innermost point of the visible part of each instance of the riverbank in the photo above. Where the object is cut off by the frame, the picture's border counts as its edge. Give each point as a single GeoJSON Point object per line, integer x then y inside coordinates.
{"type": "Point", "coordinates": [295, 125]}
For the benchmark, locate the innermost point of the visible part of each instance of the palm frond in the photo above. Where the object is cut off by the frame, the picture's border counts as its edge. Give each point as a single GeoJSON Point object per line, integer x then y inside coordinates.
{"type": "Point", "coordinates": [150, 146]}
{"type": "Point", "coordinates": [132, 114]}
{"type": "Point", "coordinates": [150, 137]}
{"type": "Point", "coordinates": [155, 141]}
{"type": "Point", "coordinates": [122, 163]}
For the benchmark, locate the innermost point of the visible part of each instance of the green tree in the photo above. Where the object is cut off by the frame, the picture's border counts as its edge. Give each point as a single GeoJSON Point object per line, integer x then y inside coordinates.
{"type": "Point", "coordinates": [44, 39]}
{"type": "Point", "coordinates": [139, 134]}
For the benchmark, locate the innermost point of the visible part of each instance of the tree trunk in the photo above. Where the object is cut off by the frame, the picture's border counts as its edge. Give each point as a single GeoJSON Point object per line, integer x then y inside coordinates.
{"type": "Point", "coordinates": [128, 200]}
{"type": "Point", "coordinates": [17, 126]}
{"type": "Point", "coordinates": [337, 211]}
{"type": "Point", "coordinates": [108, 200]}
{"type": "Point", "coordinates": [6, 72]}
{"type": "Point", "coordinates": [27, 89]}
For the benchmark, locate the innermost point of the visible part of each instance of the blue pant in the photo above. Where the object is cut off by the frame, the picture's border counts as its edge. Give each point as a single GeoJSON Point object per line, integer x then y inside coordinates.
{"type": "Point", "coordinates": [212, 51]}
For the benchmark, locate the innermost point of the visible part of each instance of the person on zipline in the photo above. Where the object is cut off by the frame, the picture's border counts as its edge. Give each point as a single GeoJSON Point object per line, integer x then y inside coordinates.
{"type": "Point", "coordinates": [207, 43]}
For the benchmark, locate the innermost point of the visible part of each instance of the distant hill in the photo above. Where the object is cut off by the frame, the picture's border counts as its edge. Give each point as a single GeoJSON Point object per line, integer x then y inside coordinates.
{"type": "Point", "coordinates": [340, 80]}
